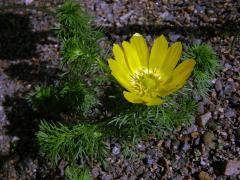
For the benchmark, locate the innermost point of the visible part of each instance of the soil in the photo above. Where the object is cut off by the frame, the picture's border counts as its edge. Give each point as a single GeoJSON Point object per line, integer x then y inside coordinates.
{"type": "Point", "coordinates": [29, 56]}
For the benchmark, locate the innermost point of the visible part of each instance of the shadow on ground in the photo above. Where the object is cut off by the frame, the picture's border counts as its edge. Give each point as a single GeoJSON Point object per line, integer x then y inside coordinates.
{"type": "Point", "coordinates": [18, 45]}
{"type": "Point", "coordinates": [32, 73]}
{"type": "Point", "coordinates": [230, 26]}
{"type": "Point", "coordinates": [23, 124]}
{"type": "Point", "coordinates": [17, 41]}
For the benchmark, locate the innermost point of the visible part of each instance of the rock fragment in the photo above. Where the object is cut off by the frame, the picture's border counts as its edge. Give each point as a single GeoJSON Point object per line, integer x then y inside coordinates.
{"type": "Point", "coordinates": [204, 176]}
{"type": "Point", "coordinates": [204, 119]}
{"type": "Point", "coordinates": [232, 167]}
{"type": "Point", "coordinates": [218, 85]}
{"type": "Point", "coordinates": [116, 150]}
{"type": "Point", "coordinates": [208, 139]}
{"type": "Point", "coordinates": [95, 172]}
{"type": "Point", "coordinates": [5, 142]}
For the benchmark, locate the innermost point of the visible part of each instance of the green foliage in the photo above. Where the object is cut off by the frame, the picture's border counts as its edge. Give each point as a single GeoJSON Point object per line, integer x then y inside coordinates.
{"type": "Point", "coordinates": [78, 173]}
{"type": "Point", "coordinates": [206, 68]}
{"type": "Point", "coordinates": [74, 93]}
{"type": "Point", "coordinates": [129, 148]}
{"type": "Point", "coordinates": [43, 99]}
{"type": "Point", "coordinates": [75, 22]}
{"type": "Point", "coordinates": [142, 121]}
{"type": "Point", "coordinates": [70, 97]}
{"type": "Point", "coordinates": [80, 40]}
{"type": "Point", "coordinates": [80, 50]}
{"type": "Point", "coordinates": [77, 97]}
{"type": "Point", "coordinates": [76, 143]}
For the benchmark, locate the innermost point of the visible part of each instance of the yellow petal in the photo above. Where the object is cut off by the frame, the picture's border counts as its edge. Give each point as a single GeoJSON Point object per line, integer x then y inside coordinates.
{"type": "Point", "coordinates": [152, 101]}
{"type": "Point", "coordinates": [132, 97]}
{"type": "Point", "coordinates": [122, 75]}
{"type": "Point", "coordinates": [162, 92]}
{"type": "Point", "coordinates": [139, 43]}
{"type": "Point", "coordinates": [131, 56]}
{"type": "Point", "coordinates": [119, 55]}
{"type": "Point", "coordinates": [172, 57]}
{"type": "Point", "coordinates": [180, 75]}
{"type": "Point", "coordinates": [158, 52]}
{"type": "Point", "coordinates": [183, 71]}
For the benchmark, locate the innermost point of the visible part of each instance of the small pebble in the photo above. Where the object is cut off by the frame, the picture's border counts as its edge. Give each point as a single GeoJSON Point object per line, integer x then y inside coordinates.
{"type": "Point", "coordinates": [116, 150]}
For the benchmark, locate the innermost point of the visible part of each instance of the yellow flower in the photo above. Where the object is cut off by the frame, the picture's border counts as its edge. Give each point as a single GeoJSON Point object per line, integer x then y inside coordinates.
{"type": "Point", "coordinates": [149, 76]}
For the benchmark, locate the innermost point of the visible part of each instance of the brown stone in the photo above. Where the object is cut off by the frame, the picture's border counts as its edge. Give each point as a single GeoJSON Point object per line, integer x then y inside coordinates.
{"type": "Point", "coordinates": [195, 134]}
{"type": "Point", "coordinates": [232, 168]}
{"type": "Point", "coordinates": [204, 119]}
{"type": "Point", "coordinates": [204, 176]}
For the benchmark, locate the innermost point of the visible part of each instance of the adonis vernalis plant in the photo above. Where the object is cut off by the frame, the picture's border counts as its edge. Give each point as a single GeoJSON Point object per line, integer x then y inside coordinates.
{"type": "Point", "coordinates": [148, 76]}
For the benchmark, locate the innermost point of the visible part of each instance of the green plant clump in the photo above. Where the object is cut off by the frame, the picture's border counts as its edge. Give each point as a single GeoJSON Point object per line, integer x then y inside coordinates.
{"type": "Point", "coordinates": [141, 122]}
{"type": "Point", "coordinates": [75, 172]}
{"type": "Point", "coordinates": [75, 143]}
{"type": "Point", "coordinates": [80, 41]}
{"type": "Point", "coordinates": [206, 68]}
{"type": "Point", "coordinates": [69, 98]}
{"type": "Point", "coordinates": [75, 92]}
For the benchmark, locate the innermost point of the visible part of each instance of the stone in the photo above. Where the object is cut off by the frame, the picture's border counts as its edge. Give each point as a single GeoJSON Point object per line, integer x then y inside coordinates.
{"type": "Point", "coordinates": [204, 119]}
{"type": "Point", "coordinates": [230, 113]}
{"type": "Point", "coordinates": [185, 146]}
{"type": "Point", "coordinates": [200, 8]}
{"type": "Point", "coordinates": [124, 177]}
{"type": "Point", "coordinates": [141, 147]}
{"type": "Point", "coordinates": [140, 170]}
{"type": "Point", "coordinates": [95, 172]}
{"type": "Point", "coordinates": [150, 161]}
{"type": "Point", "coordinates": [201, 107]}
{"type": "Point", "coordinates": [107, 177]}
{"type": "Point", "coordinates": [218, 85]}
{"type": "Point", "coordinates": [125, 17]}
{"type": "Point", "coordinates": [27, 2]}
{"type": "Point", "coordinates": [167, 16]}
{"type": "Point", "coordinates": [195, 134]}
{"type": "Point", "coordinates": [167, 144]}
{"type": "Point", "coordinates": [12, 173]}
{"type": "Point", "coordinates": [204, 176]}
{"type": "Point", "coordinates": [132, 177]}
{"type": "Point", "coordinates": [197, 41]}
{"type": "Point", "coordinates": [208, 139]}
{"type": "Point", "coordinates": [116, 150]}
{"type": "Point", "coordinates": [228, 89]}
{"type": "Point", "coordinates": [190, 8]}
{"type": "Point", "coordinates": [232, 167]}
{"type": "Point", "coordinates": [174, 37]}
{"type": "Point", "coordinates": [5, 142]}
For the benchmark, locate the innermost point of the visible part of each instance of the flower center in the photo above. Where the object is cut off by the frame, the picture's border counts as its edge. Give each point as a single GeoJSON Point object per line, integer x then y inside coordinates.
{"type": "Point", "coordinates": [146, 82]}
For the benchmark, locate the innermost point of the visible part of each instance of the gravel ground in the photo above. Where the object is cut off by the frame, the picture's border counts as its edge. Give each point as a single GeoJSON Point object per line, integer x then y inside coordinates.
{"type": "Point", "coordinates": [209, 149]}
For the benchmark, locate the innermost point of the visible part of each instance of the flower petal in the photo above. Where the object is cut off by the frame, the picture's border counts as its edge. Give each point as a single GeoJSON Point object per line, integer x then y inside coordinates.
{"type": "Point", "coordinates": [180, 75]}
{"type": "Point", "coordinates": [152, 101]}
{"type": "Point", "coordinates": [119, 55]}
{"type": "Point", "coordinates": [131, 56]}
{"type": "Point", "coordinates": [132, 97]}
{"type": "Point", "coordinates": [122, 75]}
{"type": "Point", "coordinates": [158, 52]}
{"type": "Point", "coordinates": [139, 43]}
{"type": "Point", "coordinates": [172, 57]}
